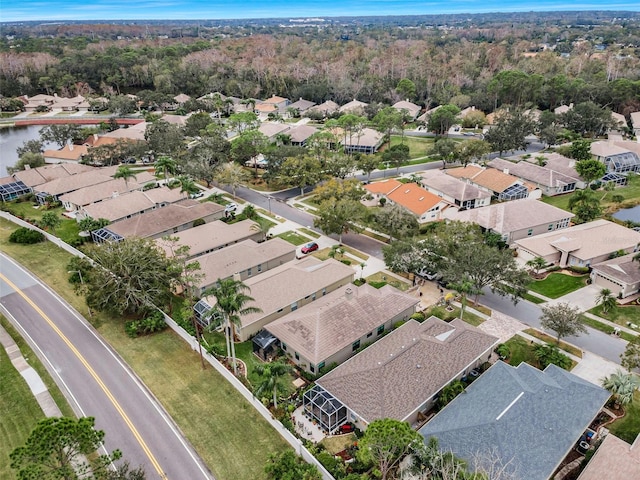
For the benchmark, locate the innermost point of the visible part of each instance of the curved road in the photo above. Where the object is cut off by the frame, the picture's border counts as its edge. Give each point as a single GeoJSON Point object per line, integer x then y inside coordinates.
{"type": "Point", "coordinates": [95, 379]}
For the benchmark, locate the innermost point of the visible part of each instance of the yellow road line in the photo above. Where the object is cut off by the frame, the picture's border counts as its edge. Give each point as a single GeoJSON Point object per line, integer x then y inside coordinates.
{"type": "Point", "coordinates": [93, 373]}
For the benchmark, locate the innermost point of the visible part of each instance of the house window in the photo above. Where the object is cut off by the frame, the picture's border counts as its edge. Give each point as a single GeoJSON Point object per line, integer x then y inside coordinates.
{"type": "Point", "coordinates": [380, 329]}
{"type": "Point", "coordinates": [259, 267]}
{"type": "Point", "coordinates": [324, 292]}
{"type": "Point", "coordinates": [297, 356]}
{"type": "Point", "coordinates": [530, 232]}
{"type": "Point", "coordinates": [355, 345]}
{"type": "Point", "coordinates": [281, 309]}
{"type": "Point", "coordinates": [284, 347]}
{"type": "Point", "coordinates": [320, 365]}
{"type": "Point", "coordinates": [249, 272]}
{"type": "Point", "coordinates": [312, 368]}
{"type": "Point", "coordinates": [313, 297]}
{"type": "Point", "coordinates": [550, 227]}
{"type": "Point", "coordinates": [369, 334]}
{"type": "Point", "coordinates": [294, 306]}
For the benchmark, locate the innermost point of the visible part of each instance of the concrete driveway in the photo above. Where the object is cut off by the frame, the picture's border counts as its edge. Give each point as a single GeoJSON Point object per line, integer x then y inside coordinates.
{"type": "Point", "coordinates": [593, 368]}
{"type": "Point", "coordinates": [584, 298]}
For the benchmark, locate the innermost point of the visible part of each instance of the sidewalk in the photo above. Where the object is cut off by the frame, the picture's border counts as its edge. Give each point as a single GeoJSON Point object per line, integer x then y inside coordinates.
{"type": "Point", "coordinates": [37, 386]}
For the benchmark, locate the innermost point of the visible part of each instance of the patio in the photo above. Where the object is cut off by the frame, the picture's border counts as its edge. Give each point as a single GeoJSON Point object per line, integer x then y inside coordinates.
{"type": "Point", "coordinates": [305, 428]}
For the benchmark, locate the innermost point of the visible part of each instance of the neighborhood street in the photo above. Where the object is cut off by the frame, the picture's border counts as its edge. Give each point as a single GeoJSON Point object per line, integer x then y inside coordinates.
{"type": "Point", "coordinates": [95, 379]}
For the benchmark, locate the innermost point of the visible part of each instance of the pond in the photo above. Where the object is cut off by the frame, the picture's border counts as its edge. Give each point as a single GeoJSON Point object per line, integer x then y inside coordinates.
{"type": "Point", "coordinates": [628, 214]}
{"type": "Point", "coordinates": [10, 139]}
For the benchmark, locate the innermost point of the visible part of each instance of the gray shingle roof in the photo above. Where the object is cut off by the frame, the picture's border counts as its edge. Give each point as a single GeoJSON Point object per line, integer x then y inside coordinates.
{"type": "Point", "coordinates": [624, 268]}
{"type": "Point", "coordinates": [530, 419]}
{"type": "Point", "coordinates": [333, 322]}
{"type": "Point", "coordinates": [398, 373]}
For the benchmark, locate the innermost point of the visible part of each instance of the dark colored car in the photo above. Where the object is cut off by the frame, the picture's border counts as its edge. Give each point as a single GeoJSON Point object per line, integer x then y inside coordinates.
{"type": "Point", "coordinates": [309, 247]}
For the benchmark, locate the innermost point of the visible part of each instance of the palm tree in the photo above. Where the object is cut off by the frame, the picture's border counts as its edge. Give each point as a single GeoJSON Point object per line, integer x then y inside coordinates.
{"type": "Point", "coordinates": [536, 264]}
{"type": "Point", "coordinates": [621, 385]}
{"type": "Point", "coordinates": [124, 173]}
{"type": "Point", "coordinates": [187, 185]}
{"type": "Point", "coordinates": [166, 165]}
{"type": "Point", "coordinates": [231, 174]}
{"type": "Point", "coordinates": [607, 187]}
{"type": "Point", "coordinates": [261, 226]}
{"type": "Point", "coordinates": [271, 373]}
{"type": "Point", "coordinates": [231, 302]}
{"type": "Point", "coordinates": [606, 299]}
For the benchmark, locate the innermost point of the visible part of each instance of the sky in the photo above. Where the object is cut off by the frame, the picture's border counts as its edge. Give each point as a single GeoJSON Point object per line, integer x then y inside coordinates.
{"type": "Point", "coordinates": [53, 10]}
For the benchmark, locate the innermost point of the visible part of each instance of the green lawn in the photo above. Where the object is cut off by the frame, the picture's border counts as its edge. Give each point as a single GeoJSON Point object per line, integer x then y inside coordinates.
{"type": "Point", "coordinates": [68, 229]}
{"type": "Point", "coordinates": [521, 351]}
{"type": "Point", "coordinates": [418, 146]}
{"type": "Point", "coordinates": [384, 278]}
{"type": "Point", "coordinates": [293, 237]}
{"type": "Point", "coordinates": [19, 413]}
{"type": "Point", "coordinates": [620, 315]}
{"type": "Point", "coordinates": [603, 327]}
{"type": "Point", "coordinates": [310, 233]}
{"type": "Point", "coordinates": [552, 340]}
{"type": "Point", "coordinates": [628, 427]}
{"type": "Point", "coordinates": [443, 314]}
{"type": "Point", "coordinates": [532, 298]}
{"type": "Point", "coordinates": [557, 284]}
{"type": "Point", "coordinates": [220, 424]}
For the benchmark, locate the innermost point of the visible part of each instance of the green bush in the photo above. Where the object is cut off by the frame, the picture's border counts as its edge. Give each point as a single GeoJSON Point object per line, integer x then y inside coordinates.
{"type": "Point", "coordinates": [377, 284]}
{"type": "Point", "coordinates": [26, 236]}
{"type": "Point", "coordinates": [152, 323]}
{"type": "Point", "coordinates": [359, 281]}
{"type": "Point", "coordinates": [346, 262]}
{"type": "Point", "coordinates": [555, 268]}
{"type": "Point", "coordinates": [198, 221]}
{"type": "Point", "coordinates": [577, 269]}
{"type": "Point", "coordinates": [418, 316]}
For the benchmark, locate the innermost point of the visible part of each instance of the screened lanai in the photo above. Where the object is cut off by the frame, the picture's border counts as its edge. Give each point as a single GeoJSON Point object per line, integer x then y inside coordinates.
{"type": "Point", "coordinates": [105, 235]}
{"type": "Point", "coordinates": [13, 190]}
{"type": "Point", "coordinates": [514, 192]}
{"type": "Point", "coordinates": [624, 162]}
{"type": "Point", "coordinates": [324, 408]}
{"type": "Point", "coordinates": [618, 179]}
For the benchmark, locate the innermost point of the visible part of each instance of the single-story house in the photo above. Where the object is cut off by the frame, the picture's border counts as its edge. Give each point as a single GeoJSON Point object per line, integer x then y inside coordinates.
{"type": "Point", "coordinates": [400, 375]}
{"type": "Point", "coordinates": [168, 220]}
{"type": "Point", "coordinates": [425, 116]}
{"type": "Point", "coordinates": [59, 186]}
{"type": "Point", "coordinates": [264, 109]}
{"type": "Point", "coordinates": [519, 419]}
{"type": "Point", "coordinates": [300, 134]}
{"type": "Point", "coordinates": [517, 219]}
{"type": "Point", "coordinates": [68, 153]}
{"type": "Point", "coordinates": [331, 329]}
{"type": "Point", "coordinates": [560, 164]}
{"type": "Point", "coordinates": [457, 192]}
{"type": "Point", "coordinates": [368, 141]}
{"type": "Point", "coordinates": [410, 109]}
{"type": "Point", "coordinates": [503, 186]}
{"type": "Point", "coordinates": [25, 180]}
{"type": "Point", "coordinates": [284, 289]}
{"type": "Point", "coordinates": [86, 196]}
{"type": "Point", "coordinates": [545, 178]}
{"type": "Point", "coordinates": [635, 123]}
{"type": "Point", "coordinates": [10, 189]}
{"type": "Point", "coordinates": [301, 106]}
{"type": "Point", "coordinates": [582, 245]}
{"type": "Point", "coordinates": [422, 203]}
{"type": "Point", "coordinates": [244, 260]}
{"type": "Point", "coordinates": [615, 459]}
{"type": "Point", "coordinates": [354, 106]}
{"type": "Point", "coordinates": [619, 156]}
{"type": "Point", "coordinates": [271, 129]}
{"type": "Point", "coordinates": [32, 103]}
{"type": "Point", "coordinates": [213, 236]}
{"type": "Point", "coordinates": [280, 103]}
{"type": "Point", "coordinates": [118, 207]}
{"type": "Point", "coordinates": [134, 132]}
{"type": "Point", "coordinates": [621, 275]}
{"type": "Point", "coordinates": [327, 108]}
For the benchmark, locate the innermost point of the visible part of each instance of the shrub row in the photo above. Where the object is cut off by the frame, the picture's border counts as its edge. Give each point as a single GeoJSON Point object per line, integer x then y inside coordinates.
{"type": "Point", "coordinates": [25, 235]}
{"type": "Point", "coordinates": [150, 324]}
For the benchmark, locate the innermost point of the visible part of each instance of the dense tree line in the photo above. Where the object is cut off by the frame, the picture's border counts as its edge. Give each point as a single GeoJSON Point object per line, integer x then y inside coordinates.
{"type": "Point", "coordinates": [466, 66]}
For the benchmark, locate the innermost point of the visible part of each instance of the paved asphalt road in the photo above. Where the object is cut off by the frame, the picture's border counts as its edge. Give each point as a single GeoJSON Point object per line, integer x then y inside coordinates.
{"type": "Point", "coordinates": [95, 379]}
{"type": "Point", "coordinates": [595, 341]}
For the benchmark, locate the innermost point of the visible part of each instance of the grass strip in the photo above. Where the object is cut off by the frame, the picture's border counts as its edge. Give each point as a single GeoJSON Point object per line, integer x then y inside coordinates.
{"type": "Point", "coordinates": [552, 341]}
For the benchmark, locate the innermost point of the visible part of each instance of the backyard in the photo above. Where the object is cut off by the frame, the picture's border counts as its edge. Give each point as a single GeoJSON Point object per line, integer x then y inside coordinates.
{"type": "Point", "coordinates": [558, 284]}
{"type": "Point", "coordinates": [418, 146]}
{"type": "Point", "coordinates": [172, 371]}
{"type": "Point", "coordinates": [628, 427]}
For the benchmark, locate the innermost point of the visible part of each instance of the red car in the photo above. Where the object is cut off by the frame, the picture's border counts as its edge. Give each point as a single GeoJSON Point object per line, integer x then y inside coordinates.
{"type": "Point", "coordinates": [309, 247]}
{"type": "Point", "coordinates": [346, 428]}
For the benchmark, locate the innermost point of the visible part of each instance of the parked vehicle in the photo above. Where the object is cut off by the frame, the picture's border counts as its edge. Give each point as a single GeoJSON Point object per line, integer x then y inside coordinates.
{"type": "Point", "coordinates": [346, 428]}
{"type": "Point", "coordinates": [309, 247]}
{"type": "Point", "coordinates": [231, 207]}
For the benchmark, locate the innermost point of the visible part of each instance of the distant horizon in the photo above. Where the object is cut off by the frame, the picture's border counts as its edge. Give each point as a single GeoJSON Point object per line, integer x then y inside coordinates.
{"type": "Point", "coordinates": [140, 10]}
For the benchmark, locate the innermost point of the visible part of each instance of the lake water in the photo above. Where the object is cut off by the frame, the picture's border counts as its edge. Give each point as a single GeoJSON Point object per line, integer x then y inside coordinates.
{"type": "Point", "coordinates": [10, 140]}
{"type": "Point", "coordinates": [625, 214]}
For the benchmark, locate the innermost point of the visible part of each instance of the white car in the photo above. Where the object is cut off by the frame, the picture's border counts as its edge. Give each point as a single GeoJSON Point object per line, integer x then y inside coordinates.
{"type": "Point", "coordinates": [196, 195]}
{"type": "Point", "coordinates": [231, 207]}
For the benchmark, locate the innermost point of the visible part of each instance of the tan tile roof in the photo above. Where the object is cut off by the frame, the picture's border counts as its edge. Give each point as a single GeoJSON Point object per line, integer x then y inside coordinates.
{"type": "Point", "coordinates": [410, 107]}
{"type": "Point", "coordinates": [275, 100]}
{"type": "Point", "coordinates": [559, 163]}
{"type": "Point", "coordinates": [585, 241]}
{"type": "Point", "coordinates": [157, 221]}
{"type": "Point", "coordinates": [96, 193]}
{"type": "Point", "coordinates": [121, 206]}
{"type": "Point", "coordinates": [398, 373]}
{"type": "Point", "coordinates": [271, 129]}
{"type": "Point", "coordinates": [623, 268]}
{"type": "Point", "coordinates": [281, 286]}
{"type": "Point", "coordinates": [74, 182]}
{"type": "Point", "coordinates": [69, 152]}
{"type": "Point", "coordinates": [300, 133]}
{"type": "Point", "coordinates": [615, 459]}
{"type": "Point", "coordinates": [352, 106]}
{"type": "Point", "coordinates": [453, 187]}
{"type": "Point", "coordinates": [327, 107]}
{"type": "Point", "coordinates": [180, 120]}
{"type": "Point", "coordinates": [495, 180]}
{"type": "Point", "coordinates": [468, 171]}
{"type": "Point", "coordinates": [134, 132]}
{"type": "Point", "coordinates": [227, 261]}
{"type": "Point", "coordinates": [265, 108]}
{"type": "Point", "coordinates": [384, 187]}
{"type": "Point", "coordinates": [182, 98]}
{"type": "Point", "coordinates": [534, 173]}
{"type": "Point", "coordinates": [414, 198]}
{"type": "Point", "coordinates": [612, 147]}
{"type": "Point", "coordinates": [507, 217]}
{"type": "Point", "coordinates": [333, 322]}
{"type": "Point", "coordinates": [37, 176]}
{"type": "Point", "coordinates": [213, 235]}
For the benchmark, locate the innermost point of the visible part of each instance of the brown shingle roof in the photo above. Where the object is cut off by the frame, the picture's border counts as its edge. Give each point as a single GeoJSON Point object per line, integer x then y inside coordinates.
{"type": "Point", "coordinates": [74, 182]}
{"type": "Point", "coordinates": [46, 173]}
{"type": "Point", "coordinates": [398, 373]}
{"type": "Point", "coordinates": [331, 323]}
{"type": "Point", "coordinates": [121, 206]}
{"type": "Point", "coordinates": [153, 223]}
{"type": "Point", "coordinates": [281, 286]}
{"type": "Point", "coordinates": [68, 152]}
{"type": "Point", "coordinates": [96, 193]}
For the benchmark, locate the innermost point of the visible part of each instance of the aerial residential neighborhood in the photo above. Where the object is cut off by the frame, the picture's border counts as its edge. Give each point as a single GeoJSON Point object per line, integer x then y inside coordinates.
{"type": "Point", "coordinates": [323, 259]}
